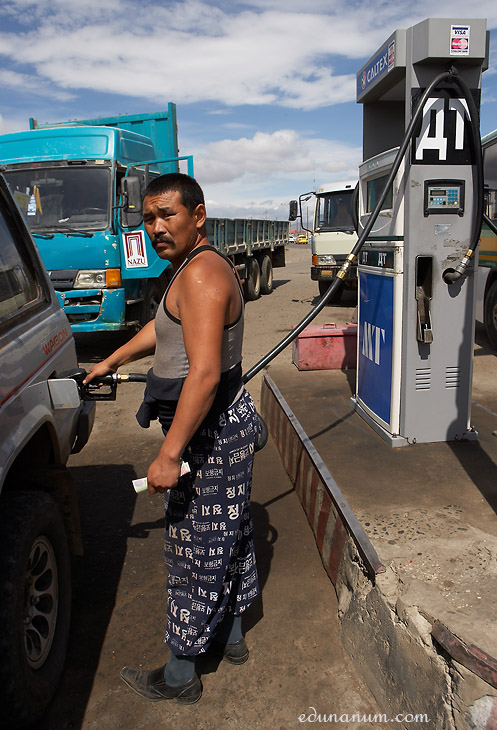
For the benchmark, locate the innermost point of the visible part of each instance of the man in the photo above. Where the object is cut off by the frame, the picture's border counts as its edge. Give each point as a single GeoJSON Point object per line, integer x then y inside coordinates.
{"type": "Point", "coordinates": [209, 420]}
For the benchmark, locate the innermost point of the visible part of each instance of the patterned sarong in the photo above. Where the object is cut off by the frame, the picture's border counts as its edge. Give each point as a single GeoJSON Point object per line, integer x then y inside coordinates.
{"type": "Point", "coordinates": [208, 547]}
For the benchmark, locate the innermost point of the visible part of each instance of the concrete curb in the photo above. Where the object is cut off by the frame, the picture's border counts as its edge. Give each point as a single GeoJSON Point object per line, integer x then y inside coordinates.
{"type": "Point", "coordinates": [413, 666]}
{"type": "Point", "coordinates": [327, 510]}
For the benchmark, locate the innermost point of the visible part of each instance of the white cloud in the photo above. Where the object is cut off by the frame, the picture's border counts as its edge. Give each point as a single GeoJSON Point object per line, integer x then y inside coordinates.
{"type": "Point", "coordinates": [263, 154]}
{"type": "Point", "coordinates": [6, 126]}
{"type": "Point", "coordinates": [281, 54]}
{"type": "Point", "coordinates": [268, 155]}
{"type": "Point", "coordinates": [24, 83]}
{"type": "Point", "coordinates": [259, 175]}
{"type": "Point", "coordinates": [249, 63]}
{"type": "Point", "coordinates": [267, 53]}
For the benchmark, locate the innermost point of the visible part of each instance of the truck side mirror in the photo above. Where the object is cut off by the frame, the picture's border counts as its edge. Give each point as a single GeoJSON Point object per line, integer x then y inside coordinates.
{"type": "Point", "coordinates": [294, 210]}
{"type": "Point", "coordinates": [131, 216]}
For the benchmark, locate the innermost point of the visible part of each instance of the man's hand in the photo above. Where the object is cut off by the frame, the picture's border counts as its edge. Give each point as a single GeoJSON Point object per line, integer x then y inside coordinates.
{"type": "Point", "coordinates": [141, 345]}
{"type": "Point", "coordinates": [163, 473]}
{"type": "Point", "coordinates": [98, 371]}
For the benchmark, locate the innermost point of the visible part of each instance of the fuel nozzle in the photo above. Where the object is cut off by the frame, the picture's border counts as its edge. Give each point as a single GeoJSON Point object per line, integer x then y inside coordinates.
{"type": "Point", "coordinates": [450, 276]}
{"type": "Point", "coordinates": [92, 390]}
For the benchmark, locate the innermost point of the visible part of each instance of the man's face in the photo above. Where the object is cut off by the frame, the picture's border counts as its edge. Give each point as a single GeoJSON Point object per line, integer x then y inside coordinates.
{"type": "Point", "coordinates": [172, 230]}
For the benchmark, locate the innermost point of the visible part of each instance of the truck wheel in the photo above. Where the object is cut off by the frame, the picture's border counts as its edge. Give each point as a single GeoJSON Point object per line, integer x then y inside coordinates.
{"type": "Point", "coordinates": [266, 275]}
{"type": "Point", "coordinates": [491, 314]}
{"type": "Point", "coordinates": [323, 288]}
{"type": "Point", "coordinates": [151, 300]}
{"type": "Point", "coordinates": [35, 604]}
{"type": "Point", "coordinates": [253, 280]}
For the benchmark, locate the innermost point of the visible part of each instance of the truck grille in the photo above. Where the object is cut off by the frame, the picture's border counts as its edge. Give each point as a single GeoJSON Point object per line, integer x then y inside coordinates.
{"type": "Point", "coordinates": [63, 280]}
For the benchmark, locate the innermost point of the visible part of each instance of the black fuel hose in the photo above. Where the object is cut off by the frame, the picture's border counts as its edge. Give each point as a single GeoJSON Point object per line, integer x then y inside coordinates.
{"type": "Point", "coordinates": [451, 74]}
{"type": "Point", "coordinates": [452, 275]}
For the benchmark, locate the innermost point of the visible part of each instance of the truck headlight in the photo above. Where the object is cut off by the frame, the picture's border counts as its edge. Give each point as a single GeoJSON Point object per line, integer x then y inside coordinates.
{"type": "Point", "coordinates": [90, 279]}
{"type": "Point", "coordinates": [97, 279]}
{"type": "Point", "coordinates": [326, 260]}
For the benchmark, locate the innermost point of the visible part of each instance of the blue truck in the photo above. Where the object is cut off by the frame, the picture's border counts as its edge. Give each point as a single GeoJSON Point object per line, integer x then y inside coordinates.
{"type": "Point", "coordinates": [79, 185]}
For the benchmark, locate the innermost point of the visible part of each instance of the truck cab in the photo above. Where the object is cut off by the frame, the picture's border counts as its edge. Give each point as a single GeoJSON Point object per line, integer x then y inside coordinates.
{"type": "Point", "coordinates": [333, 235]}
{"type": "Point", "coordinates": [68, 180]}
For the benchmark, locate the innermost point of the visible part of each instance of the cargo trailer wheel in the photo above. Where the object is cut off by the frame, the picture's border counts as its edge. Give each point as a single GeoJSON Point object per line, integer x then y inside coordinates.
{"type": "Point", "coordinates": [491, 315]}
{"type": "Point", "coordinates": [323, 288]}
{"type": "Point", "coordinates": [253, 280]}
{"type": "Point", "coordinates": [35, 604]}
{"type": "Point", "coordinates": [266, 275]}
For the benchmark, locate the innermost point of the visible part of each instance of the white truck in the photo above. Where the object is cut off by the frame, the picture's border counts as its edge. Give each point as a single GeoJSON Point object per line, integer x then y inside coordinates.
{"type": "Point", "coordinates": [333, 235]}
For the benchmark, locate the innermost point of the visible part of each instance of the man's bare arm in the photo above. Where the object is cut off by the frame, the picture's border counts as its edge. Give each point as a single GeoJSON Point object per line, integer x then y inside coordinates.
{"type": "Point", "coordinates": [141, 345]}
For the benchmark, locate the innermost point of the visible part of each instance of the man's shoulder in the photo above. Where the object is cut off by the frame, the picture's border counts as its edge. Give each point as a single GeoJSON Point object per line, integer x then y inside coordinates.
{"type": "Point", "coordinates": [208, 259]}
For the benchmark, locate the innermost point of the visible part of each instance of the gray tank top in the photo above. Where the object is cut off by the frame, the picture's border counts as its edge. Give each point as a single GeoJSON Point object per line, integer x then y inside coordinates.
{"type": "Point", "coordinates": [170, 359]}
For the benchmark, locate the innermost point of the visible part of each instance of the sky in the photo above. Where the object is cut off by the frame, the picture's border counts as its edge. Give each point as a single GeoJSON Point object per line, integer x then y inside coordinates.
{"type": "Point", "coordinates": [265, 89]}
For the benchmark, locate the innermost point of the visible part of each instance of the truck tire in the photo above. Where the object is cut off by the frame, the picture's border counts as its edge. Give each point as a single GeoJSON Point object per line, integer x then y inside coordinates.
{"type": "Point", "coordinates": [253, 281]}
{"type": "Point", "coordinates": [151, 300]}
{"type": "Point", "coordinates": [266, 275]}
{"type": "Point", "coordinates": [35, 604]}
{"type": "Point", "coordinates": [325, 285]}
{"type": "Point", "coordinates": [491, 315]}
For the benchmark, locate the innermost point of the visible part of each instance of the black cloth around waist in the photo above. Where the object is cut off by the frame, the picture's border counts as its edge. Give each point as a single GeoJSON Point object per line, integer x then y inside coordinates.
{"type": "Point", "coordinates": [162, 394]}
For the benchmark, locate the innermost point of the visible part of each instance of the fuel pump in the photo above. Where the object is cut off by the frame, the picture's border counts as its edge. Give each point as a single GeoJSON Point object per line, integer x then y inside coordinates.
{"type": "Point", "coordinates": [420, 196]}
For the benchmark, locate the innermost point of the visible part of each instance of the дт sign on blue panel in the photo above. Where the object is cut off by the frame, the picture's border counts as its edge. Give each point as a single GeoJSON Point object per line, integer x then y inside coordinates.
{"type": "Point", "coordinates": [374, 375]}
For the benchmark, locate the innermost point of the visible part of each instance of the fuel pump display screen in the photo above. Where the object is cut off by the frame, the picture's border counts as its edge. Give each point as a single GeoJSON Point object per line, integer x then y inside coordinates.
{"type": "Point", "coordinates": [444, 196]}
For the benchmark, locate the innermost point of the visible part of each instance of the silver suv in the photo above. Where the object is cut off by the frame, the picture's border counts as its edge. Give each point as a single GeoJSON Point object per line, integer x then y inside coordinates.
{"type": "Point", "coordinates": [42, 421]}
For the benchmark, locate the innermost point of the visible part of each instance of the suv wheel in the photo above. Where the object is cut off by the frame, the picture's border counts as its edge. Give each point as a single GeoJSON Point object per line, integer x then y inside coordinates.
{"type": "Point", "coordinates": [35, 603]}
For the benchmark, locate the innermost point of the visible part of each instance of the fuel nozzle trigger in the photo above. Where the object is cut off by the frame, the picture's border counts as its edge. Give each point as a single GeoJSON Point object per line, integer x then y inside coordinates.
{"type": "Point", "coordinates": [92, 391]}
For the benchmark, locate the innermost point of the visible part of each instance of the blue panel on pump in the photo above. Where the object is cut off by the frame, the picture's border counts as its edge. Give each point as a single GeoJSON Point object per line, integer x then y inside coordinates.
{"type": "Point", "coordinates": [374, 377]}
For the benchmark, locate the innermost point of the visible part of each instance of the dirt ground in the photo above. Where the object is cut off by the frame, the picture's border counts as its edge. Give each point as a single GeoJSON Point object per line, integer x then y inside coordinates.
{"type": "Point", "coordinates": [297, 663]}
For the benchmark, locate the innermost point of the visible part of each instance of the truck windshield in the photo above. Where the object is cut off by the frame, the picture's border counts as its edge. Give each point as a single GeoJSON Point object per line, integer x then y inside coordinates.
{"type": "Point", "coordinates": [334, 212]}
{"type": "Point", "coordinates": [57, 198]}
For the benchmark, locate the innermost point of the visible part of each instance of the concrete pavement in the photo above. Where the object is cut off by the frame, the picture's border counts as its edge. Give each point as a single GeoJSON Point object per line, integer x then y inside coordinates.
{"type": "Point", "coordinates": [415, 567]}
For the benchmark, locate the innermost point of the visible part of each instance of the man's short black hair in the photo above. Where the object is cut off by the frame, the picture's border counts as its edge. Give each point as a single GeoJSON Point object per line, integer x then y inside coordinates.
{"type": "Point", "coordinates": [188, 187]}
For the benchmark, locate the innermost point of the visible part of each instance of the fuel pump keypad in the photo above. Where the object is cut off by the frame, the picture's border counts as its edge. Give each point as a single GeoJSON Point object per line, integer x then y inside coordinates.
{"type": "Point", "coordinates": [444, 196]}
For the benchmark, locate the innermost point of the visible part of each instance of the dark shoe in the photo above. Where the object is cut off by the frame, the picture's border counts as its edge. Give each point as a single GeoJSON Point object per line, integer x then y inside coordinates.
{"type": "Point", "coordinates": [152, 685]}
{"type": "Point", "coordinates": [236, 653]}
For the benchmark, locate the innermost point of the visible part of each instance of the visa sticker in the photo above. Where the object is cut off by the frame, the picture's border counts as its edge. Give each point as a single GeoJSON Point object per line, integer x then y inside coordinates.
{"type": "Point", "coordinates": [391, 55]}
{"type": "Point", "coordinates": [459, 40]}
